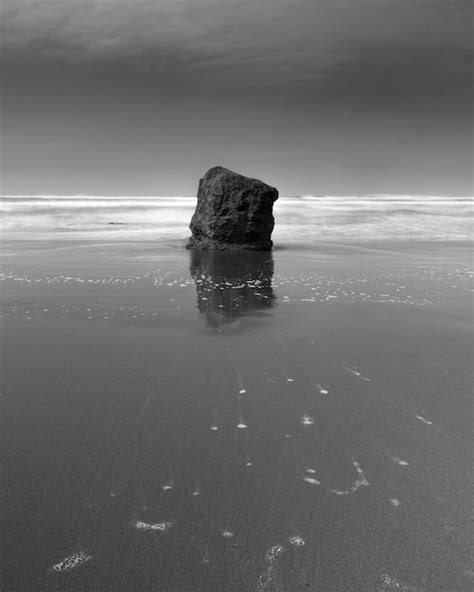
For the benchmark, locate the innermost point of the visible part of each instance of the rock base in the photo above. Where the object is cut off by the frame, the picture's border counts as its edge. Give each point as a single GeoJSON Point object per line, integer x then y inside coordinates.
{"type": "Point", "coordinates": [233, 212]}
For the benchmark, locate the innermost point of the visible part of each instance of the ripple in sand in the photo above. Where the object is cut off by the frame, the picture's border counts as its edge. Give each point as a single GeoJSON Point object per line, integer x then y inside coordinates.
{"type": "Point", "coordinates": [265, 375]}
{"type": "Point", "coordinates": [71, 562]}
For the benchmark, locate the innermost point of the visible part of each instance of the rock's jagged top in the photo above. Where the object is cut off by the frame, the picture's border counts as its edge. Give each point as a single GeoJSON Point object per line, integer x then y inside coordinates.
{"type": "Point", "coordinates": [233, 212]}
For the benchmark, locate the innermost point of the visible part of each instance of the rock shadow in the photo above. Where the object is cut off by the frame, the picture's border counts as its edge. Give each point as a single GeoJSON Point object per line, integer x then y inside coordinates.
{"type": "Point", "coordinates": [234, 288]}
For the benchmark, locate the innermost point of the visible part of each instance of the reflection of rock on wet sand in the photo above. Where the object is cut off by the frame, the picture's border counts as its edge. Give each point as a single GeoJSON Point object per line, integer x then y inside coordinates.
{"type": "Point", "coordinates": [232, 286]}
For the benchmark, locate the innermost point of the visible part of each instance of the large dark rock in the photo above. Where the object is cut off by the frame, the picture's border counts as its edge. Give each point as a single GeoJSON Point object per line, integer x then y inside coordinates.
{"type": "Point", "coordinates": [233, 212]}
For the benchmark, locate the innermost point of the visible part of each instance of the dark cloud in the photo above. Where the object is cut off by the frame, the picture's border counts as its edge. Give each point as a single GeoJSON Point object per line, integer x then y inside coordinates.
{"type": "Point", "coordinates": [215, 34]}
{"type": "Point", "coordinates": [178, 68]}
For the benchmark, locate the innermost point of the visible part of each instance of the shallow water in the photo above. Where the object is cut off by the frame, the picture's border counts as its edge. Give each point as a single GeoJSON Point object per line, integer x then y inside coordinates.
{"type": "Point", "coordinates": [295, 420]}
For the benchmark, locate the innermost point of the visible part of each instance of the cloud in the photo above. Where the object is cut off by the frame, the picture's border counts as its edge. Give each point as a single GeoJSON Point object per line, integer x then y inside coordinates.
{"type": "Point", "coordinates": [341, 45]}
{"type": "Point", "coordinates": [81, 28]}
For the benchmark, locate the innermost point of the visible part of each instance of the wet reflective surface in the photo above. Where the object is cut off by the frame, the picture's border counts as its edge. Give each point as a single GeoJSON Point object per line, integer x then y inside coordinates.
{"type": "Point", "coordinates": [233, 287]}
{"type": "Point", "coordinates": [179, 421]}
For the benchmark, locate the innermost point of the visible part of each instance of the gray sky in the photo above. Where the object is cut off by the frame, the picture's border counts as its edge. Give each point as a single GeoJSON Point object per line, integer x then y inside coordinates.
{"type": "Point", "coordinates": [312, 96]}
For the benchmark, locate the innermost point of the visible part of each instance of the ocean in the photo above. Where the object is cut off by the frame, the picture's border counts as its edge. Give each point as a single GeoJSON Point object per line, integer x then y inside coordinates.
{"type": "Point", "coordinates": [301, 220]}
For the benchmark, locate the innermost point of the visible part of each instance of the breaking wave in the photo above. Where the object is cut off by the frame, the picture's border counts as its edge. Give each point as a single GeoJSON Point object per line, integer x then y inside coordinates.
{"type": "Point", "coordinates": [306, 219]}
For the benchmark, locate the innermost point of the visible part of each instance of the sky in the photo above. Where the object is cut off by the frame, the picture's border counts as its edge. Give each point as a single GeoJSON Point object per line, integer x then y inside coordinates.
{"type": "Point", "coordinates": [340, 97]}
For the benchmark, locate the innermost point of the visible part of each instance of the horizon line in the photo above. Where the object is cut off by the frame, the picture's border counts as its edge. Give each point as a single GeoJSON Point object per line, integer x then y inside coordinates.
{"type": "Point", "coordinates": [177, 196]}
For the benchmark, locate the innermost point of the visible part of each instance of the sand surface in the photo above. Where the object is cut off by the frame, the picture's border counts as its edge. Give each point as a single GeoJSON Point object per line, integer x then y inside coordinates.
{"type": "Point", "coordinates": [182, 422]}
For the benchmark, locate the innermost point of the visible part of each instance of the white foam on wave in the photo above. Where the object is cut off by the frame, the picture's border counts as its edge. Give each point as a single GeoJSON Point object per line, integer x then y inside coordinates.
{"type": "Point", "coordinates": [338, 218]}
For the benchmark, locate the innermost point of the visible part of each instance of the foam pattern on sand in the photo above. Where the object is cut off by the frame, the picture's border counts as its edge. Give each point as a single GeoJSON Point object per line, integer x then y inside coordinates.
{"type": "Point", "coordinates": [271, 558]}
{"type": "Point", "coordinates": [265, 431]}
{"type": "Point", "coordinates": [361, 481]}
{"type": "Point", "coordinates": [152, 527]}
{"type": "Point", "coordinates": [103, 306]}
{"type": "Point", "coordinates": [388, 584]}
{"type": "Point", "coordinates": [71, 562]}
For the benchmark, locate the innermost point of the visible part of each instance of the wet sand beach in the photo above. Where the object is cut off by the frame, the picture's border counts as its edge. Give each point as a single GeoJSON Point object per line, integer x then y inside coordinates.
{"type": "Point", "coordinates": [185, 421]}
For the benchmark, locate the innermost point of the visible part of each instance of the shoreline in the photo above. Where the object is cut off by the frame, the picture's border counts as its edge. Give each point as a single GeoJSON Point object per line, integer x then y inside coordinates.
{"type": "Point", "coordinates": [227, 414]}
